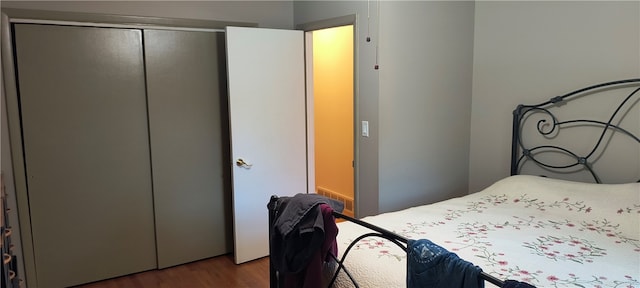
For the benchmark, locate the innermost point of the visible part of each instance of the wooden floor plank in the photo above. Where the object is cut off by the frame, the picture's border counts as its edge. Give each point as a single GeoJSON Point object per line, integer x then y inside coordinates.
{"type": "Point", "coordinates": [219, 271]}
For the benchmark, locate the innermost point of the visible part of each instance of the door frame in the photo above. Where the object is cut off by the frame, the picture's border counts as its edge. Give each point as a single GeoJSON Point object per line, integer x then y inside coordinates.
{"type": "Point", "coordinates": [10, 93]}
{"type": "Point", "coordinates": [308, 28]}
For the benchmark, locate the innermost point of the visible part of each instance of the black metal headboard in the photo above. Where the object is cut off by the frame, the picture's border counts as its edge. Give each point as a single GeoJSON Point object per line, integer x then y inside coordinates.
{"type": "Point", "coordinates": [548, 127]}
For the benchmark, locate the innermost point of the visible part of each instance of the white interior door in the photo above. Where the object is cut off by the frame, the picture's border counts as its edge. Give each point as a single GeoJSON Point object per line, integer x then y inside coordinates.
{"type": "Point", "coordinates": [267, 119]}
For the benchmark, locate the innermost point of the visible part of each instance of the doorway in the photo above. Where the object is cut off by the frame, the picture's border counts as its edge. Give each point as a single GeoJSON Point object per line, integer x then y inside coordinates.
{"type": "Point", "coordinates": [330, 110]}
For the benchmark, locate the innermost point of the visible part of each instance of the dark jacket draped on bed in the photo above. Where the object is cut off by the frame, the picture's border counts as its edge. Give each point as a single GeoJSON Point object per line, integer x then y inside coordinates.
{"type": "Point", "coordinates": [302, 235]}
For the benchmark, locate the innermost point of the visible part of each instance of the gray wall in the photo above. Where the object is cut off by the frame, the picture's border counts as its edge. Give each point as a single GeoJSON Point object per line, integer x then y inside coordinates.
{"type": "Point", "coordinates": [528, 52]}
{"type": "Point", "coordinates": [267, 14]}
{"type": "Point", "coordinates": [417, 104]}
{"type": "Point", "coordinates": [426, 58]}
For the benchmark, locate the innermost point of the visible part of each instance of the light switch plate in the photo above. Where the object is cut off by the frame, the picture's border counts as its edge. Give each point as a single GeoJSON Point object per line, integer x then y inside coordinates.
{"type": "Point", "coordinates": [365, 129]}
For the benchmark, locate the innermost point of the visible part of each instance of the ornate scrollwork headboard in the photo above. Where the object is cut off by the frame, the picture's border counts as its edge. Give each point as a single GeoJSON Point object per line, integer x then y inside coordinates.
{"type": "Point", "coordinates": [537, 127]}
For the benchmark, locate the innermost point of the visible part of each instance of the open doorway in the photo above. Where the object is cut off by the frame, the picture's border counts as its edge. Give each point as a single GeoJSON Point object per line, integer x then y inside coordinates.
{"type": "Point", "coordinates": [330, 110]}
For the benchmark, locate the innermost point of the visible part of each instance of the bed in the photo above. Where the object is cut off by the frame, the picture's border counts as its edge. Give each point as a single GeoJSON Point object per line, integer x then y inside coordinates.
{"type": "Point", "coordinates": [531, 229]}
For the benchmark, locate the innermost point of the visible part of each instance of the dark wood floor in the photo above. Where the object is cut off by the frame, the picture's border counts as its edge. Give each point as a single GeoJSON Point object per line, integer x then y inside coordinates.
{"type": "Point", "coordinates": [219, 271]}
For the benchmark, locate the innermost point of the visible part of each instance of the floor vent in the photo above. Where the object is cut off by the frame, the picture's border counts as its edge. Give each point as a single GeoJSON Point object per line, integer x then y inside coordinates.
{"type": "Point", "coordinates": [348, 201]}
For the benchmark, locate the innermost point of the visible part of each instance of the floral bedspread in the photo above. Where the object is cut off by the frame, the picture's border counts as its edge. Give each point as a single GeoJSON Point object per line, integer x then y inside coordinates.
{"type": "Point", "coordinates": [546, 232]}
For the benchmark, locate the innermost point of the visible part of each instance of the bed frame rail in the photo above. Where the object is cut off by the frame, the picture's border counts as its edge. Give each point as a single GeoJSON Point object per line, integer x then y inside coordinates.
{"type": "Point", "coordinates": [395, 238]}
{"type": "Point", "coordinates": [276, 281]}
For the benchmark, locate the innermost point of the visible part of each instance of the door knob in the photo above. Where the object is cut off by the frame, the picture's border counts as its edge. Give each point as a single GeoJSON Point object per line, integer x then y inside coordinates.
{"type": "Point", "coordinates": [241, 163]}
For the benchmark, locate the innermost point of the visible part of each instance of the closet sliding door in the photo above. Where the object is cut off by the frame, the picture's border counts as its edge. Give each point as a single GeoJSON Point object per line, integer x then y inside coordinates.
{"type": "Point", "coordinates": [186, 82]}
{"type": "Point", "coordinates": [86, 145]}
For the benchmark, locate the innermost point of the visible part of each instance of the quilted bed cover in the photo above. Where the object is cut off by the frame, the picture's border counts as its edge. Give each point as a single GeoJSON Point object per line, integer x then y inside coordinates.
{"type": "Point", "coordinates": [546, 232]}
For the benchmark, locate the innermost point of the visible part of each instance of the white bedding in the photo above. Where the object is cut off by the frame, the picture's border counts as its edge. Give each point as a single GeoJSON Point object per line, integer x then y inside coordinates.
{"type": "Point", "coordinates": [549, 233]}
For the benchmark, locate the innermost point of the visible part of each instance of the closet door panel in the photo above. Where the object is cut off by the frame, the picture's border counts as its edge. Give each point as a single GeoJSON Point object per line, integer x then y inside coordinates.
{"type": "Point", "coordinates": [186, 84]}
{"type": "Point", "coordinates": [85, 137]}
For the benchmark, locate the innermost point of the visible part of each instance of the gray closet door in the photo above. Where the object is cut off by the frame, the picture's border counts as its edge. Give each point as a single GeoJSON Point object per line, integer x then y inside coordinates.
{"type": "Point", "coordinates": [84, 120]}
{"type": "Point", "coordinates": [186, 82]}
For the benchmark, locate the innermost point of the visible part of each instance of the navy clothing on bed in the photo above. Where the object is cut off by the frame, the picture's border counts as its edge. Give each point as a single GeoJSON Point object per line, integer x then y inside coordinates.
{"type": "Point", "coordinates": [429, 265]}
{"type": "Point", "coordinates": [300, 231]}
